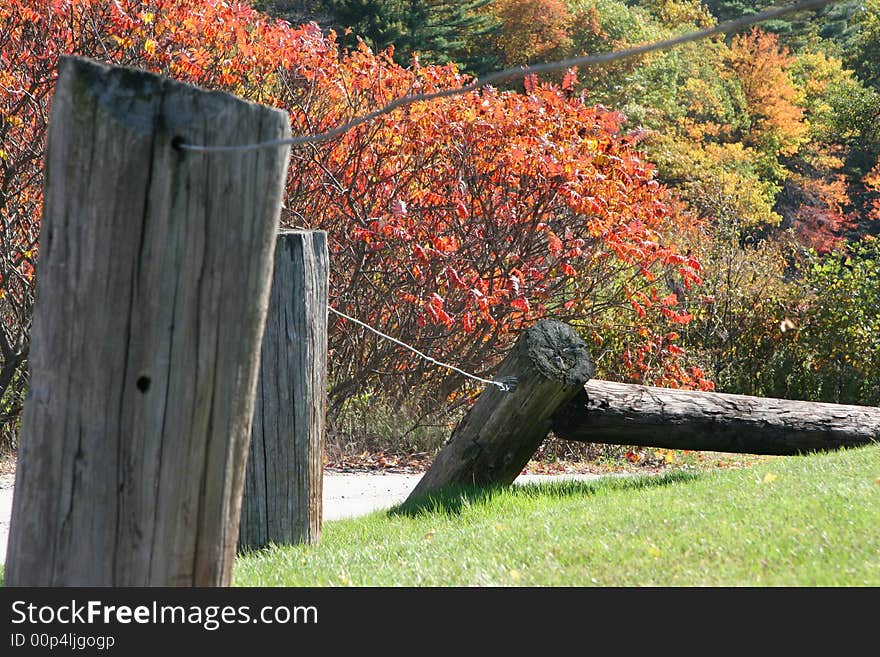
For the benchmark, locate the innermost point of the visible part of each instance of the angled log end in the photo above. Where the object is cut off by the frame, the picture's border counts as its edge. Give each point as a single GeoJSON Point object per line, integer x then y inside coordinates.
{"type": "Point", "coordinates": [550, 364]}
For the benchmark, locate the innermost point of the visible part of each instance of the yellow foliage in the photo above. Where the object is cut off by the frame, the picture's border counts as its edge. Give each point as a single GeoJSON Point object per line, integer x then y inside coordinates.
{"type": "Point", "coordinates": [762, 69]}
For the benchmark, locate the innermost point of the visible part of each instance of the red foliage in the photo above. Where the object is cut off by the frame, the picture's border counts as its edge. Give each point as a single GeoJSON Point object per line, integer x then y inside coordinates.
{"type": "Point", "coordinates": [820, 221]}
{"type": "Point", "coordinates": [452, 223]}
{"type": "Point", "coordinates": [872, 182]}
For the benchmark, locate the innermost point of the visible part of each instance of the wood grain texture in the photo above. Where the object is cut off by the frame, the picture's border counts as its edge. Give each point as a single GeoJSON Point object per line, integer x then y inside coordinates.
{"type": "Point", "coordinates": [626, 414]}
{"type": "Point", "coordinates": [502, 430]}
{"type": "Point", "coordinates": [153, 280]}
{"type": "Point", "coordinates": [283, 485]}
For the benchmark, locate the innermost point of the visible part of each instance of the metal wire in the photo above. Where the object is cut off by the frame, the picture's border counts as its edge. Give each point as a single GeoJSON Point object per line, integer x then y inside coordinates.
{"type": "Point", "coordinates": [505, 387]}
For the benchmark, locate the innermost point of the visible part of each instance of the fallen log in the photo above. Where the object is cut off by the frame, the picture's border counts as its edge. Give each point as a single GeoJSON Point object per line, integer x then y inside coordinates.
{"type": "Point", "coordinates": [550, 364]}
{"type": "Point", "coordinates": [626, 414]}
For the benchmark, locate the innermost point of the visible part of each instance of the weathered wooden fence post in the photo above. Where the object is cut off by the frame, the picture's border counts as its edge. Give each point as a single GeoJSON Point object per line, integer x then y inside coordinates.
{"type": "Point", "coordinates": [153, 282]}
{"type": "Point", "coordinates": [282, 491]}
{"type": "Point", "coordinates": [502, 430]}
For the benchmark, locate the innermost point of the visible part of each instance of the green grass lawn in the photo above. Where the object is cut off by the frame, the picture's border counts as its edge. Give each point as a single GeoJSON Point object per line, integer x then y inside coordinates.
{"type": "Point", "coordinates": [795, 521]}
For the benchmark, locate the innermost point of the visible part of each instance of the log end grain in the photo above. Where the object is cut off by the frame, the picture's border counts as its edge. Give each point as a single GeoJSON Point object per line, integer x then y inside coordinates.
{"type": "Point", "coordinates": [559, 353]}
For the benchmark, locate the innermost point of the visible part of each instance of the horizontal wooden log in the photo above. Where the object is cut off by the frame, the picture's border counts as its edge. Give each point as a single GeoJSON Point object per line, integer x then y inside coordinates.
{"type": "Point", "coordinates": [550, 364]}
{"type": "Point", "coordinates": [626, 414]}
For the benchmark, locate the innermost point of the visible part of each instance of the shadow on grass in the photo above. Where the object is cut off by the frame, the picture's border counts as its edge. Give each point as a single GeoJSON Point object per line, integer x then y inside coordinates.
{"type": "Point", "coordinates": [453, 499]}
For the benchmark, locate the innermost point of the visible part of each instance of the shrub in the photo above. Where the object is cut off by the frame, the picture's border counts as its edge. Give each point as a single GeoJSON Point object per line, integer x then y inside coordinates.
{"type": "Point", "coordinates": [452, 223]}
{"type": "Point", "coordinates": [810, 332]}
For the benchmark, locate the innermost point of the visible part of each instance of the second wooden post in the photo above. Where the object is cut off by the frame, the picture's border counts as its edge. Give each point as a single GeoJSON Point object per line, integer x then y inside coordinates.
{"type": "Point", "coordinates": [282, 492]}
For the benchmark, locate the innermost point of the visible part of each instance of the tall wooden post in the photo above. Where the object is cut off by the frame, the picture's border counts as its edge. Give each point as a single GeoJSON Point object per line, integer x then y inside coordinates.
{"type": "Point", "coordinates": [282, 492]}
{"type": "Point", "coordinates": [153, 282]}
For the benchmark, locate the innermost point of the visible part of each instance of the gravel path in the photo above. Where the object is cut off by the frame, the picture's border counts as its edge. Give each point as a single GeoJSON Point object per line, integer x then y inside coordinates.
{"type": "Point", "coordinates": [354, 494]}
{"type": "Point", "coordinates": [345, 494]}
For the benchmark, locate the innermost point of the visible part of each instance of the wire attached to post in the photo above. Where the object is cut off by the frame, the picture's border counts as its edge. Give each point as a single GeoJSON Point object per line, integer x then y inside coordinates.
{"type": "Point", "coordinates": [508, 384]}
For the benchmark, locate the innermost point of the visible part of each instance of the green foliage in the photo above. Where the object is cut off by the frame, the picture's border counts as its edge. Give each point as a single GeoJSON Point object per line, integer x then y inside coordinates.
{"type": "Point", "coordinates": [864, 52]}
{"type": "Point", "coordinates": [834, 355]}
{"type": "Point", "coordinates": [815, 337]}
{"type": "Point", "coordinates": [738, 309]}
{"type": "Point", "coordinates": [833, 25]}
{"type": "Point", "coordinates": [822, 80]}
{"type": "Point", "coordinates": [440, 31]}
{"type": "Point", "coordinates": [855, 122]}
{"type": "Point", "coordinates": [839, 23]}
{"type": "Point", "coordinates": [620, 22]}
{"type": "Point", "coordinates": [380, 23]}
{"type": "Point", "coordinates": [685, 87]}
{"type": "Point", "coordinates": [726, 10]}
{"type": "Point", "coordinates": [680, 13]}
{"type": "Point", "coordinates": [605, 25]}
{"type": "Point", "coordinates": [293, 11]}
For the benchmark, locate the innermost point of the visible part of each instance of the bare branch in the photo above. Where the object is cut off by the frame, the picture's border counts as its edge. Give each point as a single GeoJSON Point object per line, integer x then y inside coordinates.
{"type": "Point", "coordinates": [561, 65]}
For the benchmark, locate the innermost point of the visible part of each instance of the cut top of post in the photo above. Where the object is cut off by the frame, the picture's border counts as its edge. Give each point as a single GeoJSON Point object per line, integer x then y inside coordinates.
{"type": "Point", "coordinates": [559, 353]}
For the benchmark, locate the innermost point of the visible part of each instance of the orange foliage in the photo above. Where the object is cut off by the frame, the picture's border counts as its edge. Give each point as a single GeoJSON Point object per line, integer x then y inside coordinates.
{"type": "Point", "coordinates": [533, 30]}
{"type": "Point", "coordinates": [762, 68]}
{"type": "Point", "coordinates": [452, 223]}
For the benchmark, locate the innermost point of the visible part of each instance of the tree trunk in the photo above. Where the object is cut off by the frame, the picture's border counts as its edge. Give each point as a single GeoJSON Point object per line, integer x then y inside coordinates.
{"type": "Point", "coordinates": [282, 493]}
{"type": "Point", "coordinates": [501, 432]}
{"type": "Point", "coordinates": [153, 280]}
{"type": "Point", "coordinates": [625, 414]}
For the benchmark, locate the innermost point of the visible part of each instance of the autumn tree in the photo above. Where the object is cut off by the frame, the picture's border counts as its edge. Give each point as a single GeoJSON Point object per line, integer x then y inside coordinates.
{"type": "Point", "coordinates": [818, 196]}
{"type": "Point", "coordinates": [532, 31]}
{"type": "Point", "coordinates": [761, 66]}
{"type": "Point", "coordinates": [452, 224]}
